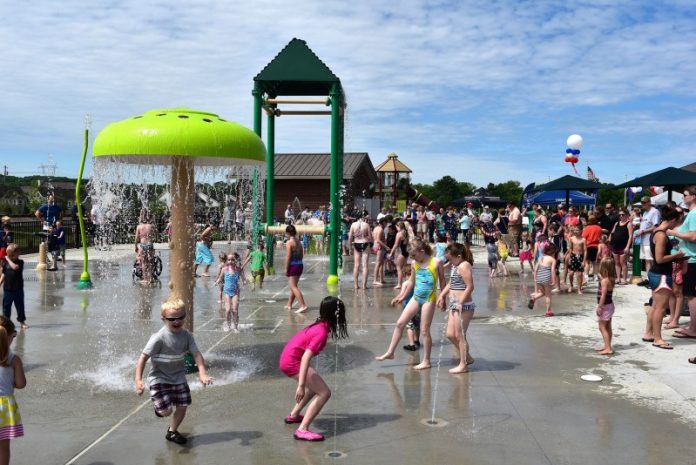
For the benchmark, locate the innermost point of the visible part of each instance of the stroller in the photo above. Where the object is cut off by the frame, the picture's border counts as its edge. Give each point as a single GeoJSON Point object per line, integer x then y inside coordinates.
{"type": "Point", "coordinates": [156, 267]}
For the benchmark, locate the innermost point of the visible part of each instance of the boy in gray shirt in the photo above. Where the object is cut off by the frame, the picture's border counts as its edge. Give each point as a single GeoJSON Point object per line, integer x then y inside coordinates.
{"type": "Point", "coordinates": [167, 379]}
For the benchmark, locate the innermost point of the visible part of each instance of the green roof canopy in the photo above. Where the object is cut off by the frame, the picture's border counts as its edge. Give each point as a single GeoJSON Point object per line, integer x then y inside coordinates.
{"type": "Point", "coordinates": [568, 182]}
{"type": "Point", "coordinates": [665, 177]}
{"type": "Point", "coordinates": [296, 70]}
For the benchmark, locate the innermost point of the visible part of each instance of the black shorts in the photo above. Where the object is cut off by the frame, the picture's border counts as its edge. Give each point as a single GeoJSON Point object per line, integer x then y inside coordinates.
{"type": "Point", "coordinates": [361, 246]}
{"type": "Point", "coordinates": [689, 284]}
{"type": "Point", "coordinates": [592, 254]}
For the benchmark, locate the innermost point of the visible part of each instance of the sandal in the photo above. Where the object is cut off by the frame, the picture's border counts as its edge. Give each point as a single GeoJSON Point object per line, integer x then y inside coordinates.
{"type": "Point", "coordinates": [175, 436]}
{"type": "Point", "coordinates": [692, 360]}
{"type": "Point", "coordinates": [410, 347]}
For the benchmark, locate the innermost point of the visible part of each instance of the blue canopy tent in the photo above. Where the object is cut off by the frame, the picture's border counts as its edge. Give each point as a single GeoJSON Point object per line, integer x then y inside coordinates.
{"type": "Point", "coordinates": [559, 197]}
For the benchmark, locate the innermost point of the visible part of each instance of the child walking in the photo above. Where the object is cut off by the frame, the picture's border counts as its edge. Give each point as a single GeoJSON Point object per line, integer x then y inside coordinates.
{"type": "Point", "coordinates": [427, 273]}
{"type": "Point", "coordinates": [12, 279]}
{"type": "Point", "coordinates": [544, 278]}
{"type": "Point", "coordinates": [605, 303]}
{"type": "Point", "coordinates": [456, 298]}
{"type": "Point", "coordinates": [222, 260]}
{"type": "Point", "coordinates": [231, 276]}
{"type": "Point", "coordinates": [11, 378]}
{"type": "Point", "coordinates": [526, 253]}
{"type": "Point", "coordinates": [295, 363]}
{"type": "Point", "coordinates": [167, 380]}
{"type": "Point", "coordinates": [413, 326]}
{"type": "Point", "coordinates": [258, 265]}
{"type": "Point", "coordinates": [578, 256]}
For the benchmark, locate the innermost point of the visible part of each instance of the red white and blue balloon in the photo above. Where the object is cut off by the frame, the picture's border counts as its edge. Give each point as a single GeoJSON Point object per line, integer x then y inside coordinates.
{"type": "Point", "coordinates": [574, 143]}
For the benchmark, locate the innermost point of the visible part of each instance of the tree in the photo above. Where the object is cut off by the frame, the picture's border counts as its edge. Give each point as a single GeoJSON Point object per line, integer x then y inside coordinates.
{"type": "Point", "coordinates": [466, 188]}
{"type": "Point", "coordinates": [508, 190]}
{"type": "Point", "coordinates": [445, 190]}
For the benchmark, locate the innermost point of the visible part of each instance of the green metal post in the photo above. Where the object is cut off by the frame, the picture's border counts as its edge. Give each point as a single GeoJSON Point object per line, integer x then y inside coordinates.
{"type": "Point", "coordinates": [255, 208]}
{"type": "Point", "coordinates": [270, 191]}
{"type": "Point", "coordinates": [335, 183]}
{"type": "Point", "coordinates": [258, 95]}
{"type": "Point", "coordinates": [85, 281]}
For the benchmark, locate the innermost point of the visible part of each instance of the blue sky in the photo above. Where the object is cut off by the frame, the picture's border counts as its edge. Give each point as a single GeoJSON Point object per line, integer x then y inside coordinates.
{"type": "Point", "coordinates": [484, 91]}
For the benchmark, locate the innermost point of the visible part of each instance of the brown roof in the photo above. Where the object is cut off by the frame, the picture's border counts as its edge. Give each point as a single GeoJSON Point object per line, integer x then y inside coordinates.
{"type": "Point", "coordinates": [318, 165]}
{"type": "Point", "coordinates": [690, 167]}
{"type": "Point", "coordinates": [392, 164]}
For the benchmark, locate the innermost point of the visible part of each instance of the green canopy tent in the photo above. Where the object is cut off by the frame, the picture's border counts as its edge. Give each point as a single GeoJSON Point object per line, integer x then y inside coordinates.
{"type": "Point", "coordinates": [668, 177]}
{"type": "Point", "coordinates": [569, 183]}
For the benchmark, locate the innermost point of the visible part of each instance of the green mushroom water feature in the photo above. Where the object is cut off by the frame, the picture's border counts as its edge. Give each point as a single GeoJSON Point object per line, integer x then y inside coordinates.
{"type": "Point", "coordinates": [183, 139]}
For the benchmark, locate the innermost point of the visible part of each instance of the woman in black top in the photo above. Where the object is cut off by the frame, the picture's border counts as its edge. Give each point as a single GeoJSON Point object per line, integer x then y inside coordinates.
{"type": "Point", "coordinates": [620, 239]}
{"type": "Point", "coordinates": [660, 276]}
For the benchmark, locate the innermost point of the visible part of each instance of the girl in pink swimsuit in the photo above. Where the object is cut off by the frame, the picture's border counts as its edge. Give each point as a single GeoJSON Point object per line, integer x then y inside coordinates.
{"type": "Point", "coordinates": [295, 363]}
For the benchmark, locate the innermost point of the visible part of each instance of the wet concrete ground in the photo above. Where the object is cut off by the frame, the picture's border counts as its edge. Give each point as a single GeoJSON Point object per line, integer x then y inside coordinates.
{"type": "Point", "coordinates": [523, 401]}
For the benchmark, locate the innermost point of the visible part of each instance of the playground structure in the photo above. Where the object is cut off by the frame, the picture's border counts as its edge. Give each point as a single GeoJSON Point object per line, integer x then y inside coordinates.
{"type": "Point", "coordinates": [297, 72]}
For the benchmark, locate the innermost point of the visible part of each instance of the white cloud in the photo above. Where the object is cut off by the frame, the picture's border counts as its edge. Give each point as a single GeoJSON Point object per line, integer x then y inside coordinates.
{"type": "Point", "coordinates": [504, 80]}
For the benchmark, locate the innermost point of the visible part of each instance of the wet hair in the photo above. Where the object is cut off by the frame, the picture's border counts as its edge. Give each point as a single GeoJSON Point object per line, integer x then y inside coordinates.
{"type": "Point", "coordinates": [669, 214]}
{"type": "Point", "coordinates": [290, 229]}
{"type": "Point", "coordinates": [333, 311]}
{"type": "Point", "coordinates": [173, 305]}
{"type": "Point", "coordinates": [419, 244]}
{"type": "Point", "coordinates": [604, 238]}
{"type": "Point", "coordinates": [222, 257]}
{"type": "Point", "coordinates": [607, 269]}
{"type": "Point", "coordinates": [441, 238]}
{"type": "Point", "coordinates": [551, 250]}
{"type": "Point", "coordinates": [7, 329]}
{"type": "Point", "coordinates": [460, 250]}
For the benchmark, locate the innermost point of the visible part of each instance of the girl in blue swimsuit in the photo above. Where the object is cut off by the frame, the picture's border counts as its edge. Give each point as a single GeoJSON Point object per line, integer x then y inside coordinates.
{"type": "Point", "coordinates": [427, 273]}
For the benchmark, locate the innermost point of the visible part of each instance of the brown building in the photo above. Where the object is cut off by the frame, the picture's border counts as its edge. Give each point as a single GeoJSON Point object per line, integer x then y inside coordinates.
{"type": "Point", "coordinates": [303, 180]}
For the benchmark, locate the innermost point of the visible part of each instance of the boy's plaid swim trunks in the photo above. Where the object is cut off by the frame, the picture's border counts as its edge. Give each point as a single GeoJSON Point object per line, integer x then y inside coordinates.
{"type": "Point", "coordinates": [165, 396]}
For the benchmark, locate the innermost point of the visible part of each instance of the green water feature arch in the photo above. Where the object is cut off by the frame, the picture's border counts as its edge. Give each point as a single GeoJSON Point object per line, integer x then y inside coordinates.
{"type": "Point", "coordinates": [298, 72]}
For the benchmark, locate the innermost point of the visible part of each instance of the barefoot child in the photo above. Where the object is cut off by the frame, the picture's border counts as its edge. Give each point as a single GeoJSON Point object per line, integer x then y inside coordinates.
{"type": "Point", "coordinates": [222, 259]}
{"type": "Point", "coordinates": [258, 266]}
{"type": "Point", "coordinates": [167, 380]}
{"type": "Point", "coordinates": [544, 277]}
{"type": "Point", "coordinates": [577, 259]}
{"type": "Point", "coordinates": [605, 303]}
{"type": "Point", "coordinates": [11, 378]}
{"type": "Point", "coordinates": [295, 363]}
{"type": "Point", "coordinates": [526, 253]}
{"type": "Point", "coordinates": [230, 277]}
{"type": "Point", "coordinates": [426, 274]}
{"type": "Point", "coordinates": [413, 326]}
{"type": "Point", "coordinates": [456, 299]}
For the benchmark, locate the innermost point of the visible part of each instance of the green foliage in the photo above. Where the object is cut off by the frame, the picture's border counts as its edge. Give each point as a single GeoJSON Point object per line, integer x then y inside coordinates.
{"type": "Point", "coordinates": [508, 190]}
{"type": "Point", "coordinates": [446, 189]}
{"type": "Point", "coordinates": [615, 196]}
{"type": "Point", "coordinates": [466, 188]}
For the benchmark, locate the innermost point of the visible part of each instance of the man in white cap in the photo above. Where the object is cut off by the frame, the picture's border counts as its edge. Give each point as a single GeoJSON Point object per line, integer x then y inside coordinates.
{"type": "Point", "coordinates": [486, 216]}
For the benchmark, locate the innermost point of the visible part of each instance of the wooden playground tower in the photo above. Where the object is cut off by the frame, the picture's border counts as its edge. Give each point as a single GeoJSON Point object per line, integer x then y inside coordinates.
{"type": "Point", "coordinates": [298, 72]}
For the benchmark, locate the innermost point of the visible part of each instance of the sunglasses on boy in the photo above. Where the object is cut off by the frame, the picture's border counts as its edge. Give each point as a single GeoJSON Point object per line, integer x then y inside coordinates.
{"type": "Point", "coordinates": [175, 318]}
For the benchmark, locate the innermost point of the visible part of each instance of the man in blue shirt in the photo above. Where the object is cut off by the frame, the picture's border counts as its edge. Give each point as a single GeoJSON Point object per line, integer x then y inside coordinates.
{"type": "Point", "coordinates": [49, 213]}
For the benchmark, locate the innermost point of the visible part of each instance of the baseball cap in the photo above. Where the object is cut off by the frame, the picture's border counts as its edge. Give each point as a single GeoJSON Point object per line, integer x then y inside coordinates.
{"type": "Point", "coordinates": [645, 199]}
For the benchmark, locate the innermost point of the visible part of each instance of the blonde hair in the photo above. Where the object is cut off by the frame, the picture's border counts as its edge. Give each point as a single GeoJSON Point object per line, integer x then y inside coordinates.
{"type": "Point", "coordinates": [12, 248]}
{"type": "Point", "coordinates": [172, 304]}
{"type": "Point", "coordinates": [419, 244]}
{"type": "Point", "coordinates": [7, 328]}
{"type": "Point", "coordinates": [607, 269]}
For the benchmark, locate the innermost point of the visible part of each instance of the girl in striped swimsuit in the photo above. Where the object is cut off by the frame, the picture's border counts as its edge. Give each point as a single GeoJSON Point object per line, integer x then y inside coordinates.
{"type": "Point", "coordinates": [456, 299]}
{"type": "Point", "coordinates": [544, 278]}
